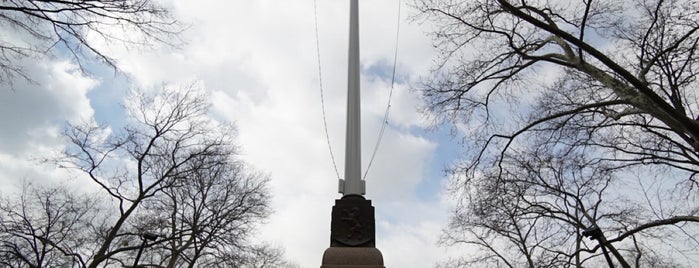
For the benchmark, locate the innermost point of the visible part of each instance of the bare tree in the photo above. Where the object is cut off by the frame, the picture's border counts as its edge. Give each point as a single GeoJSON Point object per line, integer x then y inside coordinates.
{"type": "Point", "coordinates": [539, 210]}
{"type": "Point", "coordinates": [167, 132]}
{"type": "Point", "coordinates": [43, 227]}
{"type": "Point", "coordinates": [36, 27]}
{"type": "Point", "coordinates": [537, 82]}
{"type": "Point", "coordinates": [264, 256]}
{"type": "Point", "coordinates": [209, 216]}
{"type": "Point", "coordinates": [176, 168]}
{"type": "Point", "coordinates": [252, 256]}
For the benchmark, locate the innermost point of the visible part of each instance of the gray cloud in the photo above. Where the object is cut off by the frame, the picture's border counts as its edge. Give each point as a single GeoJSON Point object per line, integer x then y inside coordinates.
{"type": "Point", "coordinates": [31, 112]}
{"type": "Point", "coordinates": [32, 116]}
{"type": "Point", "coordinates": [258, 61]}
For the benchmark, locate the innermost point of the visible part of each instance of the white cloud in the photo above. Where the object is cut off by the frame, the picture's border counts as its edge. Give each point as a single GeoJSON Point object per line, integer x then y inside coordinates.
{"type": "Point", "coordinates": [258, 61]}
{"type": "Point", "coordinates": [30, 112]}
{"type": "Point", "coordinates": [32, 115]}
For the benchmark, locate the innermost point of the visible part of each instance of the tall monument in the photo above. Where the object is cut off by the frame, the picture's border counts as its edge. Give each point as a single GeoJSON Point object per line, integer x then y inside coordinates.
{"type": "Point", "coordinates": [352, 227]}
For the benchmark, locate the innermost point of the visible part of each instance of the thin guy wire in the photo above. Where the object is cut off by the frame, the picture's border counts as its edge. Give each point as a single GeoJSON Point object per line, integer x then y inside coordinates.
{"type": "Point", "coordinates": [390, 95]}
{"type": "Point", "coordinates": [320, 85]}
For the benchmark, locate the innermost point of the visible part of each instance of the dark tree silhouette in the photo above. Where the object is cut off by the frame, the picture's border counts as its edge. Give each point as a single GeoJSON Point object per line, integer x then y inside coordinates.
{"type": "Point", "coordinates": [588, 88]}
{"type": "Point", "coordinates": [37, 27]}
{"type": "Point", "coordinates": [170, 173]}
{"type": "Point", "coordinates": [43, 227]}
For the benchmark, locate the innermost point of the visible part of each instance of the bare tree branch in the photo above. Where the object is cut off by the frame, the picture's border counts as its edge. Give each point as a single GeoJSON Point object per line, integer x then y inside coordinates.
{"type": "Point", "coordinates": [561, 101]}
{"type": "Point", "coordinates": [45, 26]}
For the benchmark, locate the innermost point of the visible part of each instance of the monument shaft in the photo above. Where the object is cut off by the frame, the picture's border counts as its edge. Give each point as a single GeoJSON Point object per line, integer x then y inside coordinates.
{"type": "Point", "coordinates": [352, 234]}
{"type": "Point", "coordinates": [353, 183]}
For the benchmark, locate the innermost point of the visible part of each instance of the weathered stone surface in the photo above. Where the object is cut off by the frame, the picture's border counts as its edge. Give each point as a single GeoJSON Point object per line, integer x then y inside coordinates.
{"type": "Point", "coordinates": [352, 223]}
{"type": "Point", "coordinates": [352, 257]}
{"type": "Point", "coordinates": [352, 235]}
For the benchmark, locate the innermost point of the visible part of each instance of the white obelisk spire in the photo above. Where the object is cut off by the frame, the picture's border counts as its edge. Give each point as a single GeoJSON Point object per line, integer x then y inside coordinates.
{"type": "Point", "coordinates": [352, 226]}
{"type": "Point", "coordinates": [353, 183]}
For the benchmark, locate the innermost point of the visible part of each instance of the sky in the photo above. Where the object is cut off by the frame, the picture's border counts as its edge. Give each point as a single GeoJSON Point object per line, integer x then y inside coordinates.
{"type": "Point", "coordinates": [257, 60]}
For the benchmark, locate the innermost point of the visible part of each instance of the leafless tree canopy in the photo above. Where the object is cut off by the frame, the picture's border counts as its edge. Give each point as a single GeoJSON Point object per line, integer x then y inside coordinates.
{"type": "Point", "coordinates": [208, 217]}
{"type": "Point", "coordinates": [170, 171]}
{"type": "Point", "coordinates": [38, 27]}
{"type": "Point", "coordinates": [577, 114]}
{"type": "Point", "coordinates": [43, 227]}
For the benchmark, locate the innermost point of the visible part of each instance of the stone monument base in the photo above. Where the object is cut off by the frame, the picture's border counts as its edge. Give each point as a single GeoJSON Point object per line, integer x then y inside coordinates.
{"type": "Point", "coordinates": [352, 257]}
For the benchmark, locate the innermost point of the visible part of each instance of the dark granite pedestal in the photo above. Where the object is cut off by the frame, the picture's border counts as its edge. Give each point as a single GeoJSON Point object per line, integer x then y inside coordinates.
{"type": "Point", "coordinates": [352, 235]}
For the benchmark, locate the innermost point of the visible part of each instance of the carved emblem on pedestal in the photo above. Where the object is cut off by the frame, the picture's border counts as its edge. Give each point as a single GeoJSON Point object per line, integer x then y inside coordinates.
{"type": "Point", "coordinates": [352, 223]}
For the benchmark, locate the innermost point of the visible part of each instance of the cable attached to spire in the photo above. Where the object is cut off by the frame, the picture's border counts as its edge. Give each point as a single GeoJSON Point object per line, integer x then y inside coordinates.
{"type": "Point", "coordinates": [322, 96]}
{"type": "Point", "coordinates": [320, 85]}
{"type": "Point", "coordinates": [390, 96]}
